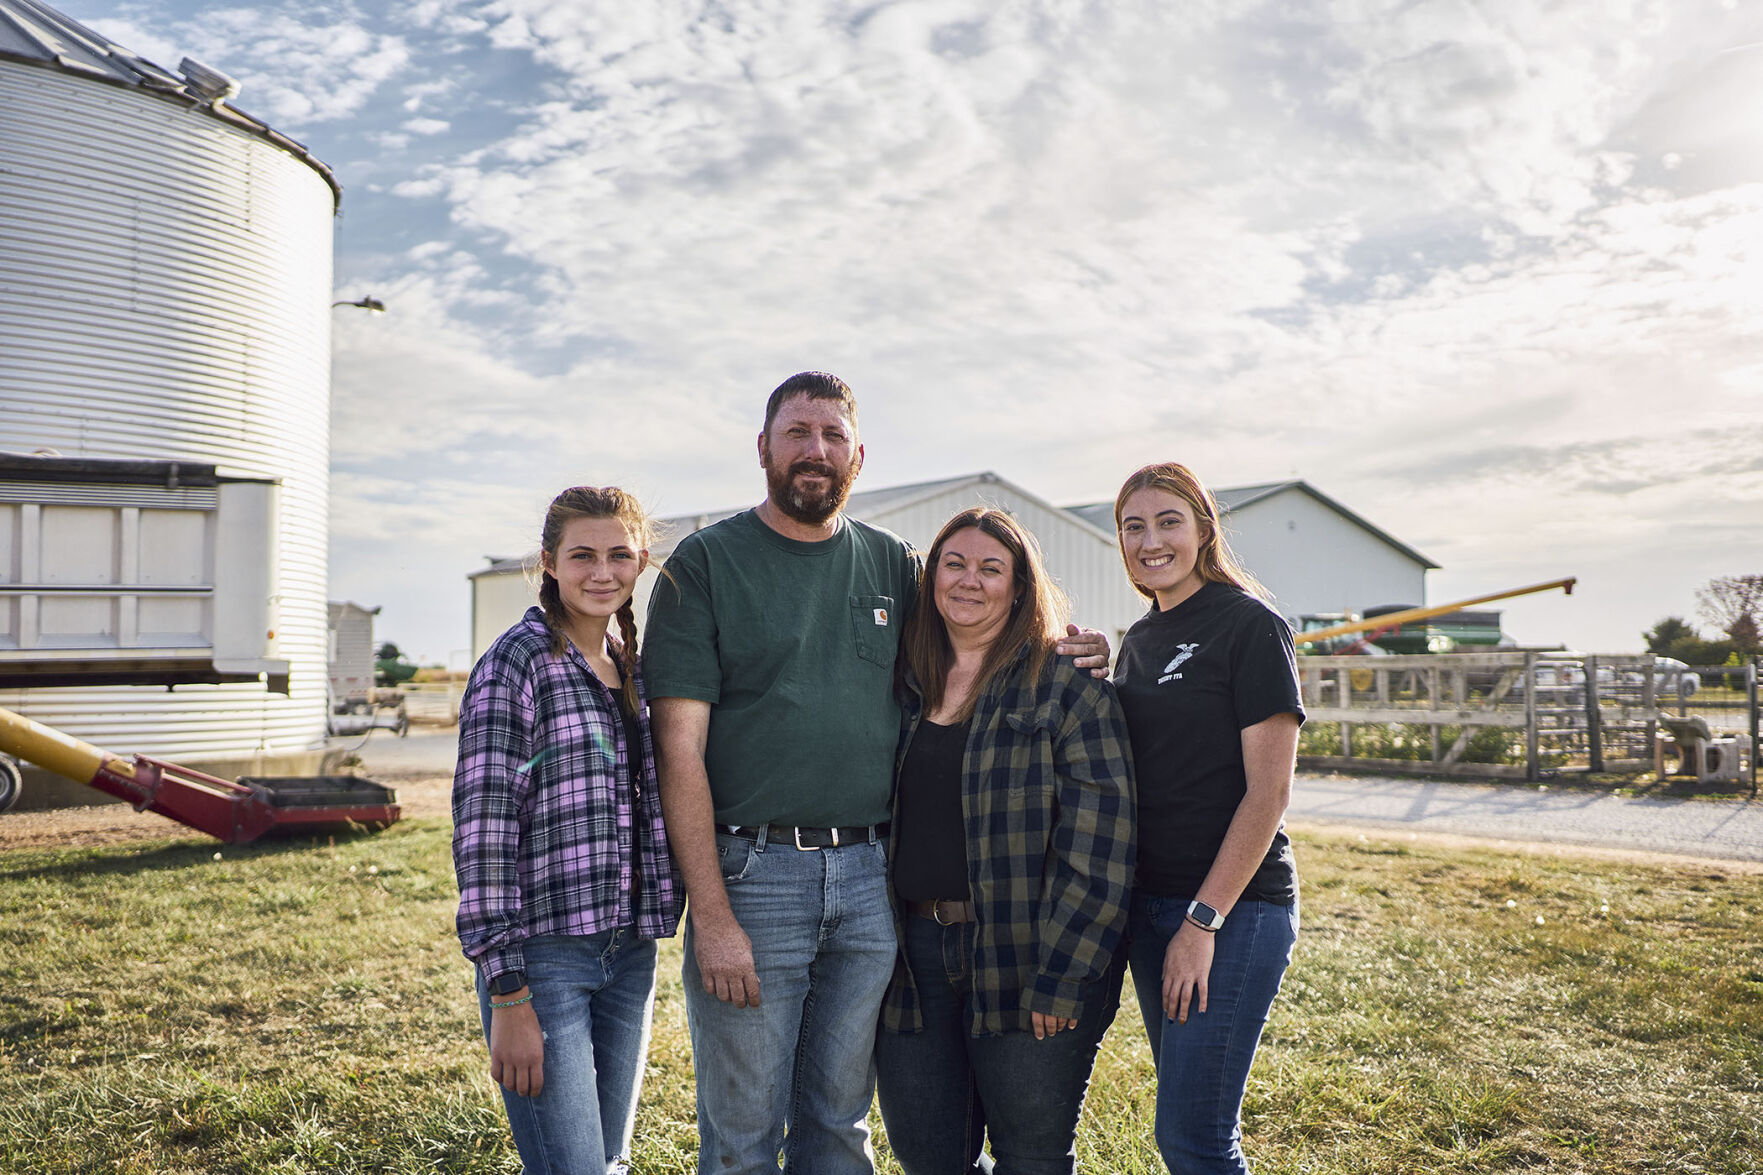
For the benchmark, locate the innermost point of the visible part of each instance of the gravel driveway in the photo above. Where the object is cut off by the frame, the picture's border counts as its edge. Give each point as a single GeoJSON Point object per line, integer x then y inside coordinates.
{"type": "Point", "coordinates": [421, 768]}
{"type": "Point", "coordinates": [1729, 830]}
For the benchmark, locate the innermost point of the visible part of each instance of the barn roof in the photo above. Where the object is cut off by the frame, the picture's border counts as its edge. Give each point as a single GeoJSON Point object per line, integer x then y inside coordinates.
{"type": "Point", "coordinates": [1098, 516]}
{"type": "Point", "coordinates": [1232, 498]}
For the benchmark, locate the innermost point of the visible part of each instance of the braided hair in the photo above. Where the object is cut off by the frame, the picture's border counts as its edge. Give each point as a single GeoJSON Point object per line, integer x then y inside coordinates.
{"type": "Point", "coordinates": [595, 502]}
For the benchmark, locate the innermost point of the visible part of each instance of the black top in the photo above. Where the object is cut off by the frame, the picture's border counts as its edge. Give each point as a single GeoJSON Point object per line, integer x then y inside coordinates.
{"type": "Point", "coordinates": [1191, 680]}
{"type": "Point", "coordinates": [930, 836]}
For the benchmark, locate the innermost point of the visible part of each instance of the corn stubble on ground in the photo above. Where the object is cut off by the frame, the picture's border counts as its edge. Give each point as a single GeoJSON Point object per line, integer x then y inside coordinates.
{"type": "Point", "coordinates": [302, 1007]}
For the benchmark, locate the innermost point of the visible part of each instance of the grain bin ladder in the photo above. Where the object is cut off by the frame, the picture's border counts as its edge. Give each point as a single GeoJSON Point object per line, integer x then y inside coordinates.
{"type": "Point", "coordinates": [234, 812]}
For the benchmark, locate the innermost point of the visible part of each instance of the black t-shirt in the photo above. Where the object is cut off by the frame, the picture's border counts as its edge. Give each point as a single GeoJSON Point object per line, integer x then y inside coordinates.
{"type": "Point", "coordinates": [930, 840]}
{"type": "Point", "coordinates": [1191, 680]}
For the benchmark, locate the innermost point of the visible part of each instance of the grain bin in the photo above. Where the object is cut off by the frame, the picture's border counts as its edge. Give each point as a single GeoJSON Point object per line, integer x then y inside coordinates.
{"type": "Point", "coordinates": [165, 284]}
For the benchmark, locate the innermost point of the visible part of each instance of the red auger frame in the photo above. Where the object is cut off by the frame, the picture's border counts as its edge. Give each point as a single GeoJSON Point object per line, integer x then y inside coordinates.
{"type": "Point", "coordinates": [234, 812]}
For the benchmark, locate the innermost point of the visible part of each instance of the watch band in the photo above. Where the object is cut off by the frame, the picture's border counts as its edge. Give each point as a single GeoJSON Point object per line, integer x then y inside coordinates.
{"type": "Point", "coordinates": [507, 983]}
{"type": "Point", "coordinates": [1205, 917]}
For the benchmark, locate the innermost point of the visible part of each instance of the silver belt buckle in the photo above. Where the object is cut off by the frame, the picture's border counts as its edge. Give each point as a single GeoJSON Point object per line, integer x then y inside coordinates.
{"type": "Point", "coordinates": [797, 830]}
{"type": "Point", "coordinates": [936, 912]}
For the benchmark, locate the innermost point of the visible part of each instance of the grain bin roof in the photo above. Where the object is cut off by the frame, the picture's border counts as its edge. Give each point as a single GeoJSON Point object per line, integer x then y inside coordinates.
{"type": "Point", "coordinates": [36, 34]}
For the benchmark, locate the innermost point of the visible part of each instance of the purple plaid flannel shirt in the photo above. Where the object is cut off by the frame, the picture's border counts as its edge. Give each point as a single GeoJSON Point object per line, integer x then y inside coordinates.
{"type": "Point", "coordinates": [544, 817]}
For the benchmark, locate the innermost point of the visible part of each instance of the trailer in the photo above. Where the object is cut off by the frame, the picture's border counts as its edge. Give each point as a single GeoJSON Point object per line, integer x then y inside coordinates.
{"type": "Point", "coordinates": [235, 812]}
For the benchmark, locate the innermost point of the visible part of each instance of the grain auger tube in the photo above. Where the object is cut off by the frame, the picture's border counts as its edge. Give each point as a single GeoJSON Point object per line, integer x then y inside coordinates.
{"type": "Point", "coordinates": [235, 812]}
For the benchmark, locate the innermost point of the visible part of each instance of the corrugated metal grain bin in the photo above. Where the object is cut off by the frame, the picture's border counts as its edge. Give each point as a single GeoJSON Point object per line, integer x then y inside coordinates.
{"type": "Point", "coordinates": [165, 284]}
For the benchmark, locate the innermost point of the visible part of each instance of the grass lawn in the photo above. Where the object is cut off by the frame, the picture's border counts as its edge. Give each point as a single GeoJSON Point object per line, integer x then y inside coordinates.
{"type": "Point", "coordinates": [301, 1007]}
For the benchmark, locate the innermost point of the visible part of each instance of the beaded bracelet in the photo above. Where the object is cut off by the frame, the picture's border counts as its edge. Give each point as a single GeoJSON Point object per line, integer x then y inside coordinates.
{"type": "Point", "coordinates": [512, 1003]}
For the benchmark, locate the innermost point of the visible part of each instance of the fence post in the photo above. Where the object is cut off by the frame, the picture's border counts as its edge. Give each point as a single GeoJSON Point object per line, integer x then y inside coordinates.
{"type": "Point", "coordinates": [1594, 717]}
{"type": "Point", "coordinates": [1532, 764]}
{"type": "Point", "coordinates": [1751, 697]}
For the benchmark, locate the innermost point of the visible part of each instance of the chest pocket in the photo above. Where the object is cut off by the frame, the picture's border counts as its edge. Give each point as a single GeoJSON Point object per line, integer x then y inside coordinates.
{"type": "Point", "coordinates": [875, 629]}
{"type": "Point", "coordinates": [1028, 748]}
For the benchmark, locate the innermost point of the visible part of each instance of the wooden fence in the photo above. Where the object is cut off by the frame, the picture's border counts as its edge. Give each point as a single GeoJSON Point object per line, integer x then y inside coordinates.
{"type": "Point", "coordinates": [1523, 715]}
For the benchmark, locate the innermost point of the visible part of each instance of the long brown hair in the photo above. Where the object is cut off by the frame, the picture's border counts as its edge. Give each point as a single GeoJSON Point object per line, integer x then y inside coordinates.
{"type": "Point", "coordinates": [594, 502]}
{"type": "Point", "coordinates": [1037, 617]}
{"type": "Point", "coordinates": [1217, 563]}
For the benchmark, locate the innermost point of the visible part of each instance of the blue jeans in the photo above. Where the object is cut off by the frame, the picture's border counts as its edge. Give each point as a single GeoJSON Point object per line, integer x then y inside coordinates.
{"type": "Point", "coordinates": [944, 1092]}
{"type": "Point", "coordinates": [823, 945]}
{"type": "Point", "coordinates": [594, 995]}
{"type": "Point", "coordinates": [1203, 1065]}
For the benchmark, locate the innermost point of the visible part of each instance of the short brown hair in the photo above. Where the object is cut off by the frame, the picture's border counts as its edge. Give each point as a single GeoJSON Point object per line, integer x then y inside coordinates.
{"type": "Point", "coordinates": [816, 385]}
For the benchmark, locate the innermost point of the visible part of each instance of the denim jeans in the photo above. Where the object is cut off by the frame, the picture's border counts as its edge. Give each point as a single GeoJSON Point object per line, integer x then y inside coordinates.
{"type": "Point", "coordinates": [823, 945]}
{"type": "Point", "coordinates": [944, 1092]}
{"type": "Point", "coordinates": [1203, 1065]}
{"type": "Point", "coordinates": [594, 995]}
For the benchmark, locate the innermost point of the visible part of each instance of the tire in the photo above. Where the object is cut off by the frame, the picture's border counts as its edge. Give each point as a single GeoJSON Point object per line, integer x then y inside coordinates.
{"type": "Point", "coordinates": [11, 783]}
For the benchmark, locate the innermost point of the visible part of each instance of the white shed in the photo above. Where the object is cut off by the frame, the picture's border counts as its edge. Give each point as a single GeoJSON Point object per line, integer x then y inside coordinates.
{"type": "Point", "coordinates": [351, 653]}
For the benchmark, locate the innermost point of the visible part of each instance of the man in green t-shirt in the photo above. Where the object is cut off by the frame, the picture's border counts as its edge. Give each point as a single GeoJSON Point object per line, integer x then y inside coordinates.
{"type": "Point", "coordinates": [769, 660]}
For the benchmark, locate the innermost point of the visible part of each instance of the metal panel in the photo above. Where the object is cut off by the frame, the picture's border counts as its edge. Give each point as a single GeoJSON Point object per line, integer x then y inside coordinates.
{"type": "Point", "coordinates": [1316, 561]}
{"type": "Point", "coordinates": [164, 290]}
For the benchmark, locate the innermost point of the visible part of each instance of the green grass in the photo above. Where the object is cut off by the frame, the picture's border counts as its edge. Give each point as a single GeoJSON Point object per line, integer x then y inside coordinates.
{"type": "Point", "coordinates": [302, 1007]}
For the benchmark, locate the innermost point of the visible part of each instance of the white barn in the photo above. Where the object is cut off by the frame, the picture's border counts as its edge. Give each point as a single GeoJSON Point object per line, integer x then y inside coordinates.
{"type": "Point", "coordinates": [1314, 554]}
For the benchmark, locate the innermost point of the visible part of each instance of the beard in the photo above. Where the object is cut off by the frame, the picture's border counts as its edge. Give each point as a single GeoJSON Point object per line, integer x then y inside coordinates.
{"type": "Point", "coordinates": [808, 506]}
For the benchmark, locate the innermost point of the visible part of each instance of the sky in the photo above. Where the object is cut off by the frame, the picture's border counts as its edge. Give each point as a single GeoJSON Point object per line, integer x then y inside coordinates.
{"type": "Point", "coordinates": [1489, 272]}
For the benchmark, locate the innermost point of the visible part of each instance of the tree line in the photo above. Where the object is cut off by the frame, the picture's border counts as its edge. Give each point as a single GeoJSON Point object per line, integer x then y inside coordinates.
{"type": "Point", "coordinates": [1733, 605]}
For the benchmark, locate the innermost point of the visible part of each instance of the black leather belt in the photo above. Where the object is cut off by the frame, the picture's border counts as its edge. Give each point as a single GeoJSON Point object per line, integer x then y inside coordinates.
{"type": "Point", "coordinates": [943, 911]}
{"type": "Point", "coordinates": [811, 838]}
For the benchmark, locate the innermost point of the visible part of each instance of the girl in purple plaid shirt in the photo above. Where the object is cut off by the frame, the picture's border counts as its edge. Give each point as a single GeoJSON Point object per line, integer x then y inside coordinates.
{"type": "Point", "coordinates": [565, 881]}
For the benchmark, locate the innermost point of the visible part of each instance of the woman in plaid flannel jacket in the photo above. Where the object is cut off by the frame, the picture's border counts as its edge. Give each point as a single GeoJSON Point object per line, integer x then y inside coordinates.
{"type": "Point", "coordinates": [1011, 858]}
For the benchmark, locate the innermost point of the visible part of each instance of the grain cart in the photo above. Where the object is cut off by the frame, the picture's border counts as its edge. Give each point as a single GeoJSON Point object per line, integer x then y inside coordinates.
{"type": "Point", "coordinates": [235, 812]}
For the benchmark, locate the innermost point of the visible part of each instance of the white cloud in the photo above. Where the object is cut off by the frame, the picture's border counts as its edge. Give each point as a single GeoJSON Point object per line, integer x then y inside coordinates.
{"type": "Point", "coordinates": [1486, 271]}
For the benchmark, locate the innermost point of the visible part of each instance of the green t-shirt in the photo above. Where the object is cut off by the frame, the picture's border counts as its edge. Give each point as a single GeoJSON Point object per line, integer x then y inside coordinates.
{"type": "Point", "coordinates": [793, 646]}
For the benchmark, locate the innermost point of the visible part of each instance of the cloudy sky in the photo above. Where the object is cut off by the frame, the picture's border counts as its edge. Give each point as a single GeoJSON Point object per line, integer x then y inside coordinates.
{"type": "Point", "coordinates": [1488, 271]}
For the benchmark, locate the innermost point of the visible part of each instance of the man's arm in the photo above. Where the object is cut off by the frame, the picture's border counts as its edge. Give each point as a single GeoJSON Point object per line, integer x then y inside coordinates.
{"type": "Point", "coordinates": [723, 951]}
{"type": "Point", "coordinates": [1088, 648]}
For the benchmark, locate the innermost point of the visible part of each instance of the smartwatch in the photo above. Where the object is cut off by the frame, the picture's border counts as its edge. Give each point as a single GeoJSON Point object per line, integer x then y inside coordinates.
{"type": "Point", "coordinates": [508, 983]}
{"type": "Point", "coordinates": [1205, 917]}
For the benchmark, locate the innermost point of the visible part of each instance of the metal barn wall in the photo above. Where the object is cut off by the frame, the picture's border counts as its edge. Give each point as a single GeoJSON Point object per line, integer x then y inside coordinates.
{"type": "Point", "coordinates": [164, 289]}
{"type": "Point", "coordinates": [1314, 560]}
{"type": "Point", "coordinates": [1084, 562]}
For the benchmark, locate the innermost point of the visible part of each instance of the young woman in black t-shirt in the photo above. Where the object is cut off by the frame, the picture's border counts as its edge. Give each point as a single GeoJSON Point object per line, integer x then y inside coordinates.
{"type": "Point", "coordinates": [1209, 684]}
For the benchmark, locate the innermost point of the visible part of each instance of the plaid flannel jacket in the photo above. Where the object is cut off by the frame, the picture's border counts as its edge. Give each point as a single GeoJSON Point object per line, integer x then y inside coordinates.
{"type": "Point", "coordinates": [544, 815]}
{"type": "Point", "coordinates": [1047, 795]}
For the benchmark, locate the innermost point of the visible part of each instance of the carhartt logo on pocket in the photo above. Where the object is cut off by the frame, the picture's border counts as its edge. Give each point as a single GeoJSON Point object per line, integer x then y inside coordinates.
{"type": "Point", "coordinates": [881, 617]}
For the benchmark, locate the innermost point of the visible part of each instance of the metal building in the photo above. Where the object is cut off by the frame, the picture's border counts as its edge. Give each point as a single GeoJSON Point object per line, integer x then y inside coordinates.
{"type": "Point", "coordinates": [351, 653]}
{"type": "Point", "coordinates": [165, 283]}
{"type": "Point", "coordinates": [1081, 556]}
{"type": "Point", "coordinates": [1311, 552]}
{"type": "Point", "coordinates": [1314, 554]}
